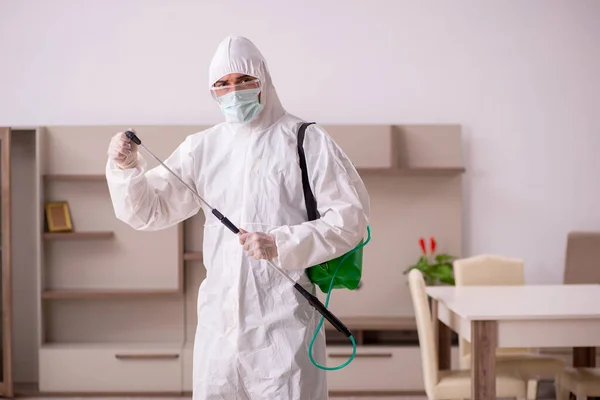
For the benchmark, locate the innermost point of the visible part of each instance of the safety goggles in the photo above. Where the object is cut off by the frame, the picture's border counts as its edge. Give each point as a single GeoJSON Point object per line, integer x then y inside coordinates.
{"type": "Point", "coordinates": [218, 91]}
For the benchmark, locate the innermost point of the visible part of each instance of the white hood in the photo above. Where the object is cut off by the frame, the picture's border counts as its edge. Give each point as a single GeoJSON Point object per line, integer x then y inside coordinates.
{"type": "Point", "coordinates": [239, 55]}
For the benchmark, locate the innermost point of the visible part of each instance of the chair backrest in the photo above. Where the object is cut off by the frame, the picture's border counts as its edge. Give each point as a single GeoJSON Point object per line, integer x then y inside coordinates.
{"type": "Point", "coordinates": [425, 330]}
{"type": "Point", "coordinates": [488, 270]}
{"type": "Point", "coordinates": [583, 253]}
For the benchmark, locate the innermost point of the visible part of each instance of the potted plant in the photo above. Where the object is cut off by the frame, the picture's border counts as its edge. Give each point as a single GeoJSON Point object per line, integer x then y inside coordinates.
{"type": "Point", "coordinates": [436, 268]}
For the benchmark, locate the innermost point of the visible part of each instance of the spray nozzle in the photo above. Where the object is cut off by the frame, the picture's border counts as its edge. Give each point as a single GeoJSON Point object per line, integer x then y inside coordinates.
{"type": "Point", "coordinates": [132, 136]}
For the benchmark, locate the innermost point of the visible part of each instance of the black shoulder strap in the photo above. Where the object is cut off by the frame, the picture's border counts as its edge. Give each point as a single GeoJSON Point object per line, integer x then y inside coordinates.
{"type": "Point", "coordinates": [309, 199]}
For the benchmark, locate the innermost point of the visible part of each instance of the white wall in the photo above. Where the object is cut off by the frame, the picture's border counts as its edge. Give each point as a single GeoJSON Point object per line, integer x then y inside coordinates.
{"type": "Point", "coordinates": [523, 77]}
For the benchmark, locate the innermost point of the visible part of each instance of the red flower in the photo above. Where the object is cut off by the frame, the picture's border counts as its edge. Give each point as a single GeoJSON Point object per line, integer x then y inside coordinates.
{"type": "Point", "coordinates": [422, 243]}
{"type": "Point", "coordinates": [433, 244]}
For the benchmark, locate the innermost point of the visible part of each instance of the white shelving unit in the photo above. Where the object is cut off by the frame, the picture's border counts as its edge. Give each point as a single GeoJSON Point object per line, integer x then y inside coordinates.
{"type": "Point", "coordinates": [113, 299]}
{"type": "Point", "coordinates": [116, 308]}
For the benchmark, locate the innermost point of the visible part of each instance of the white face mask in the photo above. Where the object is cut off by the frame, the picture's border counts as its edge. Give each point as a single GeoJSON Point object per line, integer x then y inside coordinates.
{"type": "Point", "coordinates": [240, 106]}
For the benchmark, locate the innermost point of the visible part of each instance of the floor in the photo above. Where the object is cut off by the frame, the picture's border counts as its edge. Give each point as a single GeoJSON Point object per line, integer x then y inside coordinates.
{"type": "Point", "coordinates": [545, 392]}
{"type": "Point", "coordinates": [188, 398]}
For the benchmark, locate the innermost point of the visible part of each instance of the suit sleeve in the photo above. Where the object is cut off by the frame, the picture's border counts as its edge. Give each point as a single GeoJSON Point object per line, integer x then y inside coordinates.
{"type": "Point", "coordinates": [150, 200]}
{"type": "Point", "coordinates": [342, 201]}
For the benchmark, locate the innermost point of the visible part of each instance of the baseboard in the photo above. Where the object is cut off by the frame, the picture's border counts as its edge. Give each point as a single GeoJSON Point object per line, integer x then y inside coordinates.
{"type": "Point", "coordinates": [31, 390]}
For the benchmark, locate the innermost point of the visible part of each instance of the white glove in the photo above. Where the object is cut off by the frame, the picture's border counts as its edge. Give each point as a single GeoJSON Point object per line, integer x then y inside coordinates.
{"type": "Point", "coordinates": [123, 151]}
{"type": "Point", "coordinates": [259, 245]}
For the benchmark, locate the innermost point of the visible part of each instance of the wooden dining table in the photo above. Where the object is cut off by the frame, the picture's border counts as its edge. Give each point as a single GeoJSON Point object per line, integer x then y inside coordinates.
{"type": "Point", "coordinates": [526, 316]}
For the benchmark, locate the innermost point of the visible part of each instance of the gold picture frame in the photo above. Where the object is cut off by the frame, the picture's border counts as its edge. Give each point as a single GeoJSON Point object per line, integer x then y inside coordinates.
{"type": "Point", "coordinates": [58, 216]}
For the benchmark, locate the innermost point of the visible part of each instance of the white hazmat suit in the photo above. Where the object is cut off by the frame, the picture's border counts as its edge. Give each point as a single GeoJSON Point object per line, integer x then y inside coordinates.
{"type": "Point", "coordinates": [253, 328]}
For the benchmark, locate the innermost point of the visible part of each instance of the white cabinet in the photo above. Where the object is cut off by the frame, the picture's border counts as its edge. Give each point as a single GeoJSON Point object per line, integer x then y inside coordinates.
{"type": "Point", "coordinates": [111, 368]}
{"type": "Point", "coordinates": [389, 368]}
{"type": "Point", "coordinates": [392, 368]}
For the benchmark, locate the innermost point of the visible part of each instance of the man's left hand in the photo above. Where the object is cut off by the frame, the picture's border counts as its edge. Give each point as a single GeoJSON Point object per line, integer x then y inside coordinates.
{"type": "Point", "coordinates": [259, 245]}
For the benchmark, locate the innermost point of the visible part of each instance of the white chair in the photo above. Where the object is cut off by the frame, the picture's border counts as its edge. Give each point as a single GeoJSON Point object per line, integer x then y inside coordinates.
{"type": "Point", "coordinates": [449, 384]}
{"type": "Point", "coordinates": [490, 270]}
{"type": "Point", "coordinates": [583, 250]}
{"type": "Point", "coordinates": [582, 382]}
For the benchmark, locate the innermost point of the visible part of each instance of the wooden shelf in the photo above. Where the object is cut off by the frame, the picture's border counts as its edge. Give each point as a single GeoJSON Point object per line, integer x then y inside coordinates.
{"type": "Point", "coordinates": [78, 235]}
{"type": "Point", "coordinates": [65, 294]}
{"type": "Point", "coordinates": [75, 177]}
{"type": "Point", "coordinates": [378, 332]}
{"type": "Point", "coordinates": [192, 255]}
{"type": "Point", "coordinates": [136, 346]}
{"type": "Point", "coordinates": [376, 393]}
{"type": "Point", "coordinates": [419, 171]}
{"type": "Point", "coordinates": [423, 171]}
{"type": "Point", "coordinates": [377, 323]}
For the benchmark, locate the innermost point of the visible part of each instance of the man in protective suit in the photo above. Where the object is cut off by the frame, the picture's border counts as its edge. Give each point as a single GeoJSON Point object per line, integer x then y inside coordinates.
{"type": "Point", "coordinates": [253, 328]}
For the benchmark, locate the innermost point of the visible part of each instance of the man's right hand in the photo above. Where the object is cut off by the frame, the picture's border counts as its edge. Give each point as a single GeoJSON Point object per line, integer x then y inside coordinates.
{"type": "Point", "coordinates": [123, 151]}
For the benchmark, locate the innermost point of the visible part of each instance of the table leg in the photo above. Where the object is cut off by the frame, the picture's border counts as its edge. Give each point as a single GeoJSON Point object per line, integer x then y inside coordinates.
{"type": "Point", "coordinates": [444, 346]}
{"type": "Point", "coordinates": [443, 339]}
{"type": "Point", "coordinates": [584, 357]}
{"type": "Point", "coordinates": [484, 340]}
